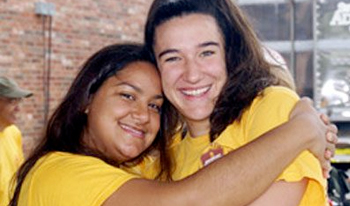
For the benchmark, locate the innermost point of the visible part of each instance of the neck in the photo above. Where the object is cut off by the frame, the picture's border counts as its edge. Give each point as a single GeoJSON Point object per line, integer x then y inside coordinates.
{"type": "Point", "coordinates": [198, 128]}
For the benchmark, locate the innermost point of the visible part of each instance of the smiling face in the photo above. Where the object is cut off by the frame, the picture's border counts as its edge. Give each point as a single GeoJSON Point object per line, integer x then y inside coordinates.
{"type": "Point", "coordinates": [191, 59]}
{"type": "Point", "coordinates": [9, 108]}
{"type": "Point", "coordinates": [124, 114]}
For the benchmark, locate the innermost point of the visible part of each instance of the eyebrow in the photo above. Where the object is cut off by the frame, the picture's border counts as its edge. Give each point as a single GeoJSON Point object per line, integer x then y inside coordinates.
{"type": "Point", "coordinates": [209, 43]}
{"type": "Point", "coordinates": [167, 52]}
{"type": "Point", "coordinates": [201, 45]}
{"type": "Point", "coordinates": [159, 96]}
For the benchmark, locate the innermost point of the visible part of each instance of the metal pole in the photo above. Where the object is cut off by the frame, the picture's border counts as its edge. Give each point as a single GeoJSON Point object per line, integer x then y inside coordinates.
{"type": "Point", "coordinates": [315, 62]}
{"type": "Point", "coordinates": [292, 39]}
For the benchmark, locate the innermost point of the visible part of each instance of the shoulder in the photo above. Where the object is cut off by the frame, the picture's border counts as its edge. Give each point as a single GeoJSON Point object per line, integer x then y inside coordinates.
{"type": "Point", "coordinates": [276, 95]}
{"type": "Point", "coordinates": [268, 110]}
{"type": "Point", "coordinates": [61, 177]}
{"type": "Point", "coordinates": [13, 129]}
{"type": "Point", "coordinates": [63, 161]}
{"type": "Point", "coordinates": [274, 101]}
{"type": "Point", "coordinates": [12, 132]}
{"type": "Point", "coordinates": [63, 169]}
{"type": "Point", "coordinates": [278, 91]}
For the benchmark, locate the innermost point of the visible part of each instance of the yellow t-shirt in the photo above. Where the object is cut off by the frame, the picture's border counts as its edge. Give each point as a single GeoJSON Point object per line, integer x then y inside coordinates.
{"type": "Point", "coordinates": [11, 157]}
{"type": "Point", "coordinates": [147, 167]}
{"type": "Point", "coordinates": [266, 112]}
{"type": "Point", "coordinates": [65, 179]}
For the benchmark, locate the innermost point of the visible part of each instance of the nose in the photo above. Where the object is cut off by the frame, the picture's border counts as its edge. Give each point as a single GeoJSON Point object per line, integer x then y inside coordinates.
{"type": "Point", "coordinates": [192, 73]}
{"type": "Point", "coordinates": [141, 114]}
{"type": "Point", "coordinates": [16, 109]}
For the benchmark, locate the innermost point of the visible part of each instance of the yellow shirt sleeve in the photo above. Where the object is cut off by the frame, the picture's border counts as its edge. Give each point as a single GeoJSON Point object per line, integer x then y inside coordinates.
{"type": "Point", "coordinates": [11, 158]}
{"type": "Point", "coordinates": [267, 112]}
{"type": "Point", "coordinates": [64, 179]}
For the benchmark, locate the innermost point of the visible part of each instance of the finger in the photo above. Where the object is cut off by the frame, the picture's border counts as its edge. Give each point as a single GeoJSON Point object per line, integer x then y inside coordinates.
{"type": "Point", "coordinates": [335, 139]}
{"type": "Point", "coordinates": [333, 128]}
{"type": "Point", "coordinates": [326, 173]}
{"type": "Point", "coordinates": [326, 167]}
{"type": "Point", "coordinates": [331, 138]}
{"type": "Point", "coordinates": [328, 154]}
{"type": "Point", "coordinates": [325, 118]}
{"type": "Point", "coordinates": [330, 150]}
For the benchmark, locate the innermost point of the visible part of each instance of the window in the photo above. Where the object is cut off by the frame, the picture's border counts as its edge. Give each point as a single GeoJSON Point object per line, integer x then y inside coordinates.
{"type": "Point", "coordinates": [314, 38]}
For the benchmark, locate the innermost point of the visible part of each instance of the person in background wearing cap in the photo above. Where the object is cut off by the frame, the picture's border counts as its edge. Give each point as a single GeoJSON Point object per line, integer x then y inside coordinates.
{"type": "Point", "coordinates": [11, 153]}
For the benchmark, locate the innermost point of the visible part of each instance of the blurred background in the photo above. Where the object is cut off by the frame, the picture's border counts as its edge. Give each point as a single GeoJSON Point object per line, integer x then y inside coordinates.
{"type": "Point", "coordinates": [44, 43]}
{"type": "Point", "coordinates": [313, 36]}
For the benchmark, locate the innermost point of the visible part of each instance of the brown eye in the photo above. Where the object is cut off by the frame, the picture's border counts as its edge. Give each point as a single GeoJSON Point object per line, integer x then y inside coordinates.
{"type": "Point", "coordinates": [172, 59]}
{"type": "Point", "coordinates": [207, 53]}
{"type": "Point", "coordinates": [155, 107]}
{"type": "Point", "coordinates": [127, 96]}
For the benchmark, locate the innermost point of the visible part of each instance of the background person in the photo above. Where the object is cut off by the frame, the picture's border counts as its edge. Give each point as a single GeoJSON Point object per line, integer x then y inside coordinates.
{"type": "Point", "coordinates": [279, 68]}
{"type": "Point", "coordinates": [11, 152]}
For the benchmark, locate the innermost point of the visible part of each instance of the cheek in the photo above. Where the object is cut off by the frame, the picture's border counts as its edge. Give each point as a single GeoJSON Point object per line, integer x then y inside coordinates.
{"type": "Point", "coordinates": [166, 75]}
{"type": "Point", "coordinates": [167, 82]}
{"type": "Point", "coordinates": [222, 75]}
{"type": "Point", "coordinates": [10, 111]}
{"type": "Point", "coordinates": [170, 77]}
{"type": "Point", "coordinates": [220, 67]}
{"type": "Point", "coordinates": [156, 122]}
{"type": "Point", "coordinates": [112, 109]}
{"type": "Point", "coordinates": [217, 70]}
{"type": "Point", "coordinates": [155, 125]}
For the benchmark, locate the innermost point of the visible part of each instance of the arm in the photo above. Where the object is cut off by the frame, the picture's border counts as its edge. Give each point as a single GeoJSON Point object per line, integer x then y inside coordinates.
{"type": "Point", "coordinates": [282, 193]}
{"type": "Point", "coordinates": [305, 170]}
{"type": "Point", "coordinates": [266, 113]}
{"type": "Point", "coordinates": [225, 181]}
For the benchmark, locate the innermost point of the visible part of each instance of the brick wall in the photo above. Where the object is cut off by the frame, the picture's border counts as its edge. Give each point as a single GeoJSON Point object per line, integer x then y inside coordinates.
{"type": "Point", "coordinates": [79, 28]}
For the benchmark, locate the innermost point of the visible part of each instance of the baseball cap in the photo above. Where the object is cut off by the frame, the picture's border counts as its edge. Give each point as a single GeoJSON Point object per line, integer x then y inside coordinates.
{"type": "Point", "coordinates": [10, 89]}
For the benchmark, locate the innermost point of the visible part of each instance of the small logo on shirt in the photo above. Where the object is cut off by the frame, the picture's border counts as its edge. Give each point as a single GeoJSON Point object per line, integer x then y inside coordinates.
{"type": "Point", "coordinates": [211, 156]}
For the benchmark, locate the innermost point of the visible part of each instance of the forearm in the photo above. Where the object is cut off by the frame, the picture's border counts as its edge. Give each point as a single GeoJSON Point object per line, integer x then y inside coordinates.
{"type": "Point", "coordinates": [282, 193]}
{"type": "Point", "coordinates": [236, 179]}
{"type": "Point", "coordinates": [257, 164]}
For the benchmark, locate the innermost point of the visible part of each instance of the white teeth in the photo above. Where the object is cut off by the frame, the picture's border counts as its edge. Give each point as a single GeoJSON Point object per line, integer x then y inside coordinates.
{"type": "Point", "coordinates": [128, 128]}
{"type": "Point", "coordinates": [196, 92]}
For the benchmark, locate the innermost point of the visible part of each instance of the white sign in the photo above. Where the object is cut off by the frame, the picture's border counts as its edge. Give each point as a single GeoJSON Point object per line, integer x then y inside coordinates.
{"type": "Point", "coordinates": [341, 16]}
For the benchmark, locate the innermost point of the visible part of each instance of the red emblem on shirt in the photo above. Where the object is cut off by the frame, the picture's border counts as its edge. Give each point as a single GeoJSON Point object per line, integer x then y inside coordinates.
{"type": "Point", "coordinates": [211, 156]}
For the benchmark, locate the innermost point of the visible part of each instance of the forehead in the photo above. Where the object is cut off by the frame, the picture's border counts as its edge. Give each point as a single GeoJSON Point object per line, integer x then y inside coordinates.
{"type": "Point", "coordinates": [4, 103]}
{"type": "Point", "coordinates": [140, 74]}
{"type": "Point", "coordinates": [4, 99]}
{"type": "Point", "coordinates": [188, 30]}
{"type": "Point", "coordinates": [139, 69]}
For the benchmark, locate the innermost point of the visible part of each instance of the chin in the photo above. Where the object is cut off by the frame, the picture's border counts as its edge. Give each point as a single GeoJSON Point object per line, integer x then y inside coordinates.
{"type": "Point", "coordinates": [132, 153]}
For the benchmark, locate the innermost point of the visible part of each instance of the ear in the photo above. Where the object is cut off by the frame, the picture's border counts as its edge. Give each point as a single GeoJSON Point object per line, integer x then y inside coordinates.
{"type": "Point", "coordinates": [87, 109]}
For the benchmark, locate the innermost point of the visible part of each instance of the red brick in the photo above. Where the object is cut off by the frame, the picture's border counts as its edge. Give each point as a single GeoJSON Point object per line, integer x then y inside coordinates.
{"type": "Point", "coordinates": [79, 28]}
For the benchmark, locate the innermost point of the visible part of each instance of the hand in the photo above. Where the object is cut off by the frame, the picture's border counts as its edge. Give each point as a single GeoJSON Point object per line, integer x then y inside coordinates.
{"type": "Point", "coordinates": [332, 139]}
{"type": "Point", "coordinates": [323, 134]}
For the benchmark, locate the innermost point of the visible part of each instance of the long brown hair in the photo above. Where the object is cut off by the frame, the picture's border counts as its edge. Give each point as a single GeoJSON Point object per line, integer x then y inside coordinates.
{"type": "Point", "coordinates": [248, 71]}
{"type": "Point", "coordinates": [65, 128]}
